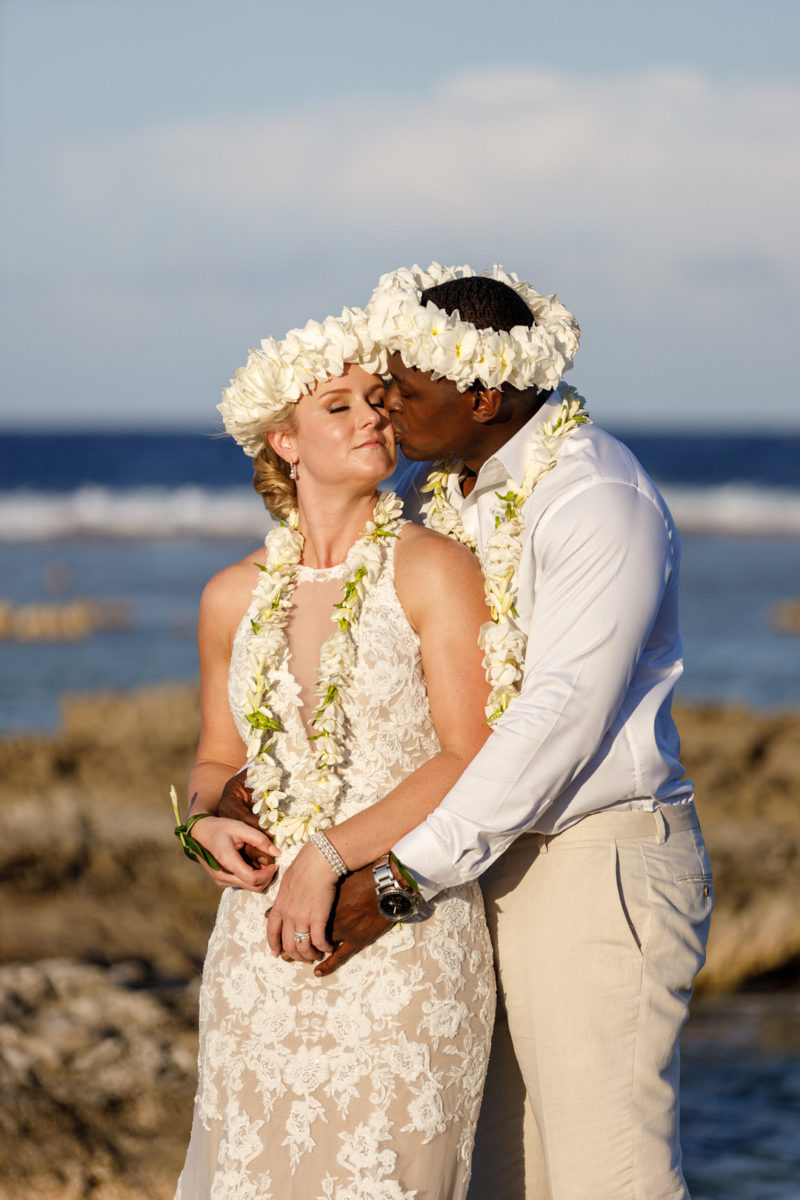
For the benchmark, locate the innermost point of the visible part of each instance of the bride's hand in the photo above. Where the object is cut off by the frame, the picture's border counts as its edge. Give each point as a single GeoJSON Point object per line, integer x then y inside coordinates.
{"type": "Point", "coordinates": [303, 905]}
{"type": "Point", "coordinates": [229, 841]}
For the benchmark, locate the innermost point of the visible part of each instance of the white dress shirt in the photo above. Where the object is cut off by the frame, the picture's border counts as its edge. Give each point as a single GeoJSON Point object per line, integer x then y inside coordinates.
{"type": "Point", "coordinates": [598, 599]}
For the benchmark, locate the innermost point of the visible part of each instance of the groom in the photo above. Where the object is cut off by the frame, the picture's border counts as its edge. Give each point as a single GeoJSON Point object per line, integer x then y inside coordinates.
{"type": "Point", "coordinates": [575, 813]}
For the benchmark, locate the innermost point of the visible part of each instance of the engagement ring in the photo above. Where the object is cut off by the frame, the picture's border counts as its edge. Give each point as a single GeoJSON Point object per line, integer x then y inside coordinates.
{"type": "Point", "coordinates": [301, 937]}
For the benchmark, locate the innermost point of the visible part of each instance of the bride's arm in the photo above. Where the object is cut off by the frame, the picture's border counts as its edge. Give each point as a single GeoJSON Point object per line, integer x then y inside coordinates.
{"type": "Point", "coordinates": [441, 588]}
{"type": "Point", "coordinates": [221, 752]}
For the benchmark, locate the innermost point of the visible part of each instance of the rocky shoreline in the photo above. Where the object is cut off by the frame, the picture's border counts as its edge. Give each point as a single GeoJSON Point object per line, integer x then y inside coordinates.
{"type": "Point", "coordinates": [105, 924]}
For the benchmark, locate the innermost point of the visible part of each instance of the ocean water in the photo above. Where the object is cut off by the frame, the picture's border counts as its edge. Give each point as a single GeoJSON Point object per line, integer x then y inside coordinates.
{"type": "Point", "coordinates": [740, 1097]}
{"type": "Point", "coordinates": [148, 518]}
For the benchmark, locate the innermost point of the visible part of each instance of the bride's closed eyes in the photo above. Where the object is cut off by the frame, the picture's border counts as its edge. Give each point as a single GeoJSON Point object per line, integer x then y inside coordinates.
{"type": "Point", "coordinates": [376, 400]}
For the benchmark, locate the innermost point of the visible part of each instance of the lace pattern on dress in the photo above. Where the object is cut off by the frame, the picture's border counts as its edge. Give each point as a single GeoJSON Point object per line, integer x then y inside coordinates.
{"type": "Point", "coordinates": [364, 1086]}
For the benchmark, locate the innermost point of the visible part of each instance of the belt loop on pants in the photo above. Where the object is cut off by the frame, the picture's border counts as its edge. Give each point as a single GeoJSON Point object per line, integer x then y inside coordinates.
{"type": "Point", "coordinates": [661, 826]}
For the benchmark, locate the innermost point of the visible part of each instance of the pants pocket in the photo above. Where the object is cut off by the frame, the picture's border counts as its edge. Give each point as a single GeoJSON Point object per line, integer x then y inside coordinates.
{"type": "Point", "coordinates": [633, 894]}
{"type": "Point", "coordinates": [697, 879]}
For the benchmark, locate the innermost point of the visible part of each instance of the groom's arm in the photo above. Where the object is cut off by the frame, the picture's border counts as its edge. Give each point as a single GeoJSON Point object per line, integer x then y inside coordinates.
{"type": "Point", "coordinates": [603, 561]}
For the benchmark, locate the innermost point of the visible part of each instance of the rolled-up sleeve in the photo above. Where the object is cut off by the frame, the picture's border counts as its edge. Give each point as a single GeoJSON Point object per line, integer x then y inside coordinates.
{"type": "Point", "coordinates": [603, 560]}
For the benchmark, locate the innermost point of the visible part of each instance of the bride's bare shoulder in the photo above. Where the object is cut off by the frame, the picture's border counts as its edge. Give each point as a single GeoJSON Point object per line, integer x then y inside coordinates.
{"type": "Point", "coordinates": [227, 594]}
{"type": "Point", "coordinates": [424, 552]}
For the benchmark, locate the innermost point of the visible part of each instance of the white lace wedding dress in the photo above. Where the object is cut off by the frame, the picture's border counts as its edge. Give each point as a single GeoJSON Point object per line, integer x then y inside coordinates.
{"type": "Point", "coordinates": [367, 1085]}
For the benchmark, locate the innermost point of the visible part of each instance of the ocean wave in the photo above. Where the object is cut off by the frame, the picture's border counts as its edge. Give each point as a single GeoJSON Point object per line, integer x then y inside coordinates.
{"type": "Point", "coordinates": [734, 509]}
{"type": "Point", "coordinates": [141, 513]}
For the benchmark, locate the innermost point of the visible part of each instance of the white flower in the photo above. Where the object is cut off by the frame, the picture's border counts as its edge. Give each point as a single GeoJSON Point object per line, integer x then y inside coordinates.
{"type": "Point", "coordinates": [430, 339]}
{"type": "Point", "coordinates": [389, 508]}
{"type": "Point", "coordinates": [280, 372]}
{"type": "Point", "coordinates": [322, 790]}
{"type": "Point", "coordinates": [499, 700]}
{"type": "Point", "coordinates": [291, 822]}
{"type": "Point", "coordinates": [504, 645]}
{"type": "Point", "coordinates": [337, 656]}
{"type": "Point", "coordinates": [296, 826]}
{"type": "Point", "coordinates": [505, 650]}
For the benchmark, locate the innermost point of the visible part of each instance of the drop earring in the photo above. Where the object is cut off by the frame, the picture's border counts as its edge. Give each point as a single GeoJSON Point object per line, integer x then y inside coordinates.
{"type": "Point", "coordinates": [292, 471]}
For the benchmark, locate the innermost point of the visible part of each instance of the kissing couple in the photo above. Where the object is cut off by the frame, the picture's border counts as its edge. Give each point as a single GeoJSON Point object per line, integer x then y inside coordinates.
{"type": "Point", "coordinates": [479, 694]}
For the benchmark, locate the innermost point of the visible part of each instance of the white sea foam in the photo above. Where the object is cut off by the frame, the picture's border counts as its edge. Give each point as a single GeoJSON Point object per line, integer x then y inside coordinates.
{"type": "Point", "coordinates": [97, 512]}
{"type": "Point", "coordinates": [735, 509]}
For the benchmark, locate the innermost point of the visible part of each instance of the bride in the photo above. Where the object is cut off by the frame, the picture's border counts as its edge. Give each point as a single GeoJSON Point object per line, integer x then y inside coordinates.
{"type": "Point", "coordinates": [341, 662]}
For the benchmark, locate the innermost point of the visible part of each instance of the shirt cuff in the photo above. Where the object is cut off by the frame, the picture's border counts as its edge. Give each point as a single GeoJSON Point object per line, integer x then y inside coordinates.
{"type": "Point", "coordinates": [420, 852]}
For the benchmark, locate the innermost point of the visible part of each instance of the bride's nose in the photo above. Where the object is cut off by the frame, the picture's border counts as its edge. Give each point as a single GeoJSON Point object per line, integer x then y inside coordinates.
{"type": "Point", "coordinates": [372, 415]}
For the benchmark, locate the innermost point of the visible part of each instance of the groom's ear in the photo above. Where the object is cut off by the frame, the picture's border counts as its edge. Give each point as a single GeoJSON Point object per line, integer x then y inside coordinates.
{"type": "Point", "coordinates": [486, 405]}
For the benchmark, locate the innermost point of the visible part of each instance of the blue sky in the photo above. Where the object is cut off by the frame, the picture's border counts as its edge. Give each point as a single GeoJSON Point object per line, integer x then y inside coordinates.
{"type": "Point", "coordinates": [183, 178]}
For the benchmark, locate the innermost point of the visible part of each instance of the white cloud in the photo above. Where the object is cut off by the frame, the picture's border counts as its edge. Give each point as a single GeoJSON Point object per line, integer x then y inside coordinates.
{"type": "Point", "coordinates": [661, 205]}
{"type": "Point", "coordinates": [654, 164]}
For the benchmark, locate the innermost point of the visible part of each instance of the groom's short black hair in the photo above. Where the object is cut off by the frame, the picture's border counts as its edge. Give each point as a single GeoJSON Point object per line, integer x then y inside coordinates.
{"type": "Point", "coordinates": [485, 303]}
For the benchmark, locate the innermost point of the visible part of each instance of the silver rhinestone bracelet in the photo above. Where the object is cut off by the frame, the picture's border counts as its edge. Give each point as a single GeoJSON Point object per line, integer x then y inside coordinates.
{"type": "Point", "coordinates": [330, 854]}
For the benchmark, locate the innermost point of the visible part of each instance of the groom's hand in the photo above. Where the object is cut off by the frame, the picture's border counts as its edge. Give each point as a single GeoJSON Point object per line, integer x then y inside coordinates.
{"type": "Point", "coordinates": [235, 804]}
{"type": "Point", "coordinates": [235, 801]}
{"type": "Point", "coordinates": [356, 920]}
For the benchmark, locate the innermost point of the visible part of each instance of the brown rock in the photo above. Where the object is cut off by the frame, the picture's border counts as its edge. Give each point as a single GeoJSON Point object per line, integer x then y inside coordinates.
{"type": "Point", "coordinates": [105, 924]}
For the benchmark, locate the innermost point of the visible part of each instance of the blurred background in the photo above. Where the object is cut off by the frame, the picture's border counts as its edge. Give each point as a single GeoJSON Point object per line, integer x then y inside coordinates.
{"type": "Point", "coordinates": [181, 179]}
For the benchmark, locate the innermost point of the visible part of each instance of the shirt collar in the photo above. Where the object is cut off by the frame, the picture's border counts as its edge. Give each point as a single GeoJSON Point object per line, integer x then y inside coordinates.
{"type": "Point", "coordinates": [510, 460]}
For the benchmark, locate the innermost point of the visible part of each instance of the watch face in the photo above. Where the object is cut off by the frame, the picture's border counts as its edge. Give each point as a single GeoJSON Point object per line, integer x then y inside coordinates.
{"type": "Point", "coordinates": [396, 905]}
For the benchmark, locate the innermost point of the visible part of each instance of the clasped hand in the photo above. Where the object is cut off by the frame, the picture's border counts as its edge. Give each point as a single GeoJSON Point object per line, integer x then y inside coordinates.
{"type": "Point", "coordinates": [356, 921]}
{"type": "Point", "coordinates": [308, 886]}
{"type": "Point", "coordinates": [236, 846]}
{"type": "Point", "coordinates": [303, 906]}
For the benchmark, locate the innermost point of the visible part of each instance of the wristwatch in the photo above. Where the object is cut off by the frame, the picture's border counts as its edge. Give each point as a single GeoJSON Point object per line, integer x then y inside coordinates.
{"type": "Point", "coordinates": [396, 902]}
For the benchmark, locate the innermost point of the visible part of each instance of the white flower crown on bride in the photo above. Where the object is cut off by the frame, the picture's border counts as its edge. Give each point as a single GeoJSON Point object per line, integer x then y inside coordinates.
{"type": "Point", "coordinates": [280, 372]}
{"type": "Point", "coordinates": [430, 339]}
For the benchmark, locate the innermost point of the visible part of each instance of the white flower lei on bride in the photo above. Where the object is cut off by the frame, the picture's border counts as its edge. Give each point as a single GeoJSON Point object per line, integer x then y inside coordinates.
{"type": "Point", "coordinates": [294, 823]}
{"type": "Point", "coordinates": [502, 642]}
{"type": "Point", "coordinates": [430, 339]}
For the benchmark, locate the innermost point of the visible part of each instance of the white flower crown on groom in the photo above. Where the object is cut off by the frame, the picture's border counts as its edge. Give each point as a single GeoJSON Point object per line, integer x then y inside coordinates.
{"type": "Point", "coordinates": [430, 339]}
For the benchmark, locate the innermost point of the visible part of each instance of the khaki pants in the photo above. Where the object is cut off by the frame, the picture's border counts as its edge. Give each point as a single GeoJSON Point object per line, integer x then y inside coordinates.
{"type": "Point", "coordinates": [598, 935]}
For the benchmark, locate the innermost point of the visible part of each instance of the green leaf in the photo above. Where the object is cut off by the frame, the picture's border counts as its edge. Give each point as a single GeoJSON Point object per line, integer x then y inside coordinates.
{"type": "Point", "coordinates": [260, 720]}
{"type": "Point", "coordinates": [192, 848]}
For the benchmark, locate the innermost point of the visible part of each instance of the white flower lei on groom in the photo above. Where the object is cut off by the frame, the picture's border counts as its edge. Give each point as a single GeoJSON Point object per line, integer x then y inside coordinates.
{"type": "Point", "coordinates": [502, 642]}
{"type": "Point", "coordinates": [430, 339]}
